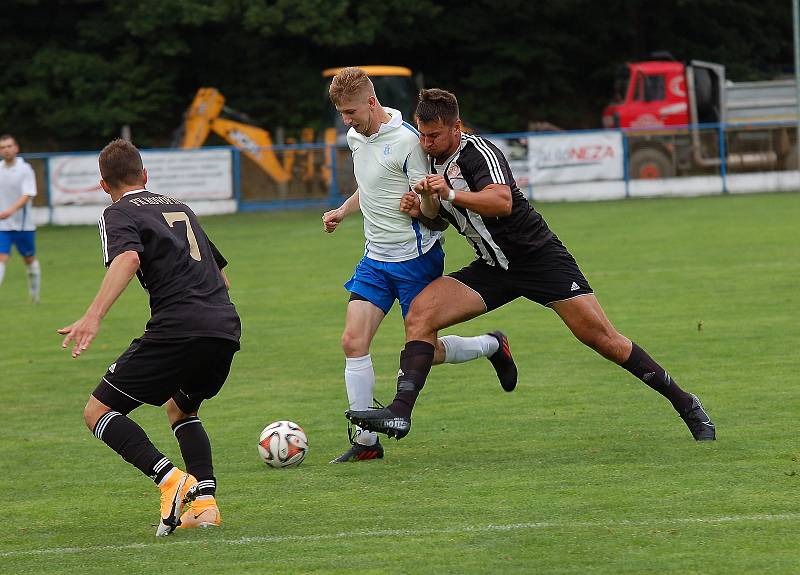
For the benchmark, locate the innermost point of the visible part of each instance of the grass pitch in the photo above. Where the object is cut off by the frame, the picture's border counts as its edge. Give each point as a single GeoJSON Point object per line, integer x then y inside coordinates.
{"type": "Point", "coordinates": [582, 469]}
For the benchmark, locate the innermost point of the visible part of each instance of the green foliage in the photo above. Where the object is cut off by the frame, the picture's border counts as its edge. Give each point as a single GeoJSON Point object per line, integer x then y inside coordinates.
{"type": "Point", "coordinates": [77, 70]}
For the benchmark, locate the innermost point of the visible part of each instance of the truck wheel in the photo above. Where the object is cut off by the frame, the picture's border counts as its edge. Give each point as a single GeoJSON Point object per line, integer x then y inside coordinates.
{"type": "Point", "coordinates": [649, 163]}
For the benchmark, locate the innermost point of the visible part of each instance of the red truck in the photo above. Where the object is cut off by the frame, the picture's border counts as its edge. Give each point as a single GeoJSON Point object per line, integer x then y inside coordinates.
{"type": "Point", "coordinates": [673, 109]}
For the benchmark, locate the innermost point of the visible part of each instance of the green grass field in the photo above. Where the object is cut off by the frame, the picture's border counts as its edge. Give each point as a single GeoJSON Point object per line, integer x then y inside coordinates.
{"type": "Point", "coordinates": [583, 469]}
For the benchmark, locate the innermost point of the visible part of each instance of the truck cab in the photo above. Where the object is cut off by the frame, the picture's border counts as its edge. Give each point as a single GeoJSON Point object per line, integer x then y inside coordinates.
{"type": "Point", "coordinates": [668, 106]}
{"type": "Point", "coordinates": [648, 95]}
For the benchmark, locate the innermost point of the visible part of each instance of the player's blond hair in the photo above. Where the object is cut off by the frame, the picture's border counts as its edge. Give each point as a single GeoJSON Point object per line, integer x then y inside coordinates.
{"type": "Point", "coordinates": [121, 164]}
{"type": "Point", "coordinates": [350, 82]}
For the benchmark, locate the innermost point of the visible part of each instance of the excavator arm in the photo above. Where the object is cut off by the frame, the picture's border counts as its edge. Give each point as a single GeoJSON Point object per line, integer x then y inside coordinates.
{"type": "Point", "coordinates": [203, 117]}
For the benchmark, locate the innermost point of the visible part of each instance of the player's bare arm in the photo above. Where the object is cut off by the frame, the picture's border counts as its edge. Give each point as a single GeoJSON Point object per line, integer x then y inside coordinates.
{"type": "Point", "coordinates": [119, 274]}
{"type": "Point", "coordinates": [494, 200]}
{"type": "Point", "coordinates": [429, 200]}
{"type": "Point", "coordinates": [332, 218]}
{"type": "Point", "coordinates": [18, 205]}
{"type": "Point", "coordinates": [410, 204]}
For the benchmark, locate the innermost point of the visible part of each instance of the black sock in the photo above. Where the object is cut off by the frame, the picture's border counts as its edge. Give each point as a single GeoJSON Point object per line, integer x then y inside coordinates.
{"type": "Point", "coordinates": [124, 436]}
{"type": "Point", "coordinates": [645, 368]}
{"type": "Point", "coordinates": [196, 450]}
{"type": "Point", "coordinates": [415, 364]}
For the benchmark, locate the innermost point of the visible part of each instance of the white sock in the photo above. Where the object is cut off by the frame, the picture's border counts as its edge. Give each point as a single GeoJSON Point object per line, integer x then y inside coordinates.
{"type": "Point", "coordinates": [34, 279]}
{"type": "Point", "coordinates": [2, 271]}
{"type": "Point", "coordinates": [359, 379]}
{"type": "Point", "coordinates": [459, 349]}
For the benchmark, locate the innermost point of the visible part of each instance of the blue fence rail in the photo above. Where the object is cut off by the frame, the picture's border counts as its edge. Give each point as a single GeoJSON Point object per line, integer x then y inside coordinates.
{"type": "Point", "coordinates": [320, 175]}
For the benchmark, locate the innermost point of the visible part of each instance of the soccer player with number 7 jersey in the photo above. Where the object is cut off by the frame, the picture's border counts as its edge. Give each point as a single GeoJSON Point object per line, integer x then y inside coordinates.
{"type": "Point", "coordinates": [186, 351]}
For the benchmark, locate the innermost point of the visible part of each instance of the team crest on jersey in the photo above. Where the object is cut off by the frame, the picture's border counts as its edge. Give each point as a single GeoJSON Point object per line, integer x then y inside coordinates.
{"type": "Point", "coordinates": [457, 181]}
{"type": "Point", "coordinates": [387, 150]}
{"type": "Point", "coordinates": [112, 367]}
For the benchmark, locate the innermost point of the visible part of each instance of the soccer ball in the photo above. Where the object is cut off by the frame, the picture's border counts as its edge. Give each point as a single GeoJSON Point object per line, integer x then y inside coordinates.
{"type": "Point", "coordinates": [282, 444]}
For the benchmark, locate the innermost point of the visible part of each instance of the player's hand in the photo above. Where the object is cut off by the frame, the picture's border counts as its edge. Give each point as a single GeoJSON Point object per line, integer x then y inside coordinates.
{"type": "Point", "coordinates": [5, 214]}
{"type": "Point", "coordinates": [422, 187]}
{"type": "Point", "coordinates": [331, 220]}
{"type": "Point", "coordinates": [82, 332]}
{"type": "Point", "coordinates": [409, 204]}
{"type": "Point", "coordinates": [438, 185]}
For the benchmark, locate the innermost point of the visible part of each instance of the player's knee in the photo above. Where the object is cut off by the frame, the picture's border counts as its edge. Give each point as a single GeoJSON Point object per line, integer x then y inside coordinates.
{"type": "Point", "coordinates": [354, 344]}
{"type": "Point", "coordinates": [415, 326]}
{"type": "Point", "coordinates": [174, 412]}
{"type": "Point", "coordinates": [93, 411]}
{"type": "Point", "coordinates": [419, 322]}
{"type": "Point", "coordinates": [607, 343]}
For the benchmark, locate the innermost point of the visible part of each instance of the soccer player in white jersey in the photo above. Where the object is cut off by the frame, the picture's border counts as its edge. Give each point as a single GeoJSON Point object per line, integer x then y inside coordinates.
{"type": "Point", "coordinates": [402, 255]}
{"type": "Point", "coordinates": [17, 189]}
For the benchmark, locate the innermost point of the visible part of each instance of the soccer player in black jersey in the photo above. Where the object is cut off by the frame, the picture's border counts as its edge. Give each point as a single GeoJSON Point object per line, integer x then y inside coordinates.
{"type": "Point", "coordinates": [517, 256]}
{"type": "Point", "coordinates": [185, 353]}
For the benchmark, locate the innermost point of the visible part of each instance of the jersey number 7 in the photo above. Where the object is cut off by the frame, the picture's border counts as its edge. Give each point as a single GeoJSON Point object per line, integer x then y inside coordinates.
{"type": "Point", "coordinates": [172, 217]}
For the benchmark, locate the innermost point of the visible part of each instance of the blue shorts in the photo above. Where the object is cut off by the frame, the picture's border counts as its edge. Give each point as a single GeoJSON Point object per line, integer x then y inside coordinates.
{"type": "Point", "coordinates": [381, 283]}
{"type": "Point", "coordinates": [25, 242]}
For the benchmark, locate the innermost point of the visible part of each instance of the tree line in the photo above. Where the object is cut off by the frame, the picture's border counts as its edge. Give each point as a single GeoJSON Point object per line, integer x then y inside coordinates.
{"type": "Point", "coordinates": [76, 71]}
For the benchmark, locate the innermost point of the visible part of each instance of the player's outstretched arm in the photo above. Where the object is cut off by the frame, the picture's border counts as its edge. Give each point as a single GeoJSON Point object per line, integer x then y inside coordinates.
{"type": "Point", "coordinates": [117, 278]}
{"type": "Point", "coordinates": [331, 219]}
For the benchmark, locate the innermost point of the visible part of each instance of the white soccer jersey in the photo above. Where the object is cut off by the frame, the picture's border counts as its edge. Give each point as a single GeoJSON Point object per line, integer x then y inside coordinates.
{"type": "Point", "coordinates": [386, 165]}
{"type": "Point", "coordinates": [15, 181]}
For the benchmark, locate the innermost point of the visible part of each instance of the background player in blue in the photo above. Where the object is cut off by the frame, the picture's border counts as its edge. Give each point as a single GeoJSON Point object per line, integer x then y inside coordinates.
{"type": "Point", "coordinates": [401, 254]}
{"type": "Point", "coordinates": [186, 351]}
{"type": "Point", "coordinates": [517, 256]}
{"type": "Point", "coordinates": [17, 190]}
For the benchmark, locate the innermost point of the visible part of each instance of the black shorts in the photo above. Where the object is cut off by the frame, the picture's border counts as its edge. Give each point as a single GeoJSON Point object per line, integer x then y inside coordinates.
{"type": "Point", "coordinates": [151, 371]}
{"type": "Point", "coordinates": [548, 276]}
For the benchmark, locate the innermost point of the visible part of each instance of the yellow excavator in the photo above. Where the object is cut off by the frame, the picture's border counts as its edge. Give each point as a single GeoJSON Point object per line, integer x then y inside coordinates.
{"type": "Point", "coordinates": [393, 84]}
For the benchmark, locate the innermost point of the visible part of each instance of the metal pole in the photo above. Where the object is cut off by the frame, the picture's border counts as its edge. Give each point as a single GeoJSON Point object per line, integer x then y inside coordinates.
{"type": "Point", "coordinates": [796, 27]}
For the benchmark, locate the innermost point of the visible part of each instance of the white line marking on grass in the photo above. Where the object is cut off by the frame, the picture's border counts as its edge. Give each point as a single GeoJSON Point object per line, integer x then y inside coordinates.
{"type": "Point", "coordinates": [465, 529]}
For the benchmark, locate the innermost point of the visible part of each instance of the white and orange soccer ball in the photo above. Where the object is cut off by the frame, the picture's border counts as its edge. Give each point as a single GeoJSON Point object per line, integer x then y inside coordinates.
{"type": "Point", "coordinates": [283, 444]}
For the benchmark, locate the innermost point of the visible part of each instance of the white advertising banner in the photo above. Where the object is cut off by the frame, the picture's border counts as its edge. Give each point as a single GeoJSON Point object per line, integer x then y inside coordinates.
{"type": "Point", "coordinates": [562, 158]}
{"type": "Point", "coordinates": [592, 156]}
{"type": "Point", "coordinates": [184, 174]}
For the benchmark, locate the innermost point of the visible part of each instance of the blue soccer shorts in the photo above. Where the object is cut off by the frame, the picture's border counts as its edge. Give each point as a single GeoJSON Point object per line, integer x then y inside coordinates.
{"type": "Point", "coordinates": [25, 242]}
{"type": "Point", "coordinates": [381, 283]}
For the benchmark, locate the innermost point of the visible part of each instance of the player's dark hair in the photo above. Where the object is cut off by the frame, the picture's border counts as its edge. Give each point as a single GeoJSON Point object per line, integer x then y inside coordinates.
{"type": "Point", "coordinates": [436, 104]}
{"type": "Point", "coordinates": [121, 164]}
{"type": "Point", "coordinates": [8, 137]}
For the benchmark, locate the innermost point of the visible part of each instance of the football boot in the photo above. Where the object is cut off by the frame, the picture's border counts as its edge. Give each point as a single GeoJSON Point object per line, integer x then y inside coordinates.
{"type": "Point", "coordinates": [503, 362]}
{"type": "Point", "coordinates": [380, 420]}
{"type": "Point", "coordinates": [698, 421]}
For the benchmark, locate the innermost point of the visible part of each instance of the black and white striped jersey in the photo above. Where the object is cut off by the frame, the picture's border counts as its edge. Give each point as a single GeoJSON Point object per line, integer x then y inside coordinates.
{"type": "Point", "coordinates": [179, 266]}
{"type": "Point", "coordinates": [500, 241]}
